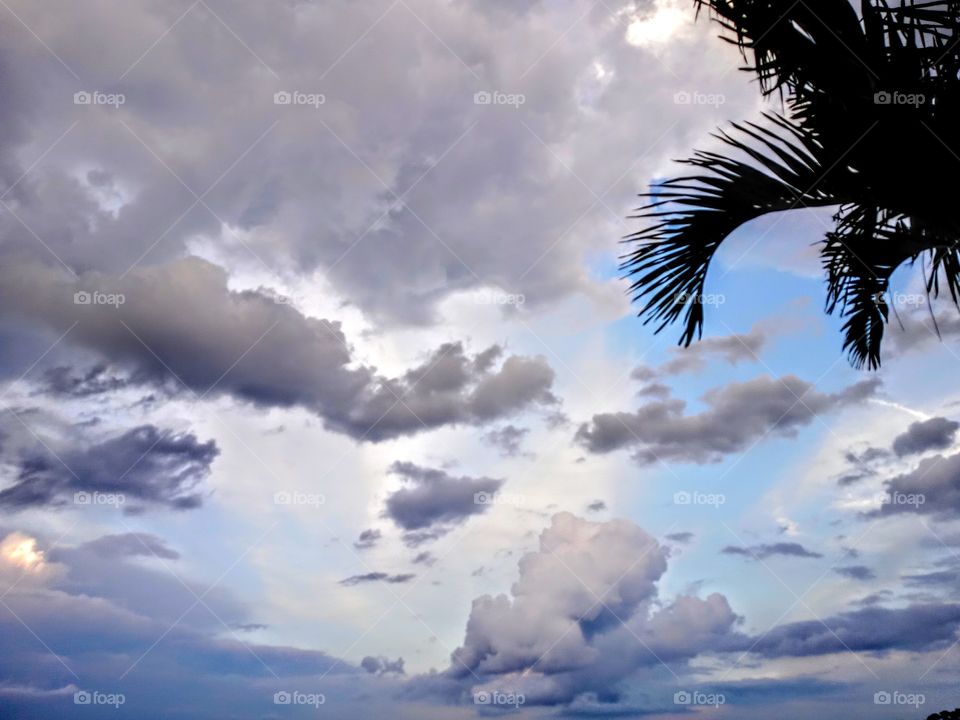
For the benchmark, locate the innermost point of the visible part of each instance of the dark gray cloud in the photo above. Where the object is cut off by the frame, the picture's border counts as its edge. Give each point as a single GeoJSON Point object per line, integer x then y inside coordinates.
{"type": "Point", "coordinates": [375, 577]}
{"type": "Point", "coordinates": [680, 537]}
{"type": "Point", "coordinates": [763, 551]}
{"type": "Point", "coordinates": [508, 439]}
{"type": "Point", "coordinates": [871, 629]}
{"type": "Point", "coordinates": [855, 572]}
{"type": "Point", "coordinates": [597, 506]}
{"type": "Point", "coordinates": [934, 434]}
{"type": "Point", "coordinates": [145, 466]}
{"type": "Point", "coordinates": [368, 538]}
{"type": "Point", "coordinates": [932, 488]}
{"type": "Point", "coordinates": [737, 415]}
{"type": "Point", "coordinates": [433, 500]}
{"type": "Point", "coordinates": [67, 381]}
{"type": "Point", "coordinates": [180, 324]}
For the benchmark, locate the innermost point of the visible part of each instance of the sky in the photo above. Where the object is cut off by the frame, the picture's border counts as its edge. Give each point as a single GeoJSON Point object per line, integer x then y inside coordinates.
{"type": "Point", "coordinates": [321, 393]}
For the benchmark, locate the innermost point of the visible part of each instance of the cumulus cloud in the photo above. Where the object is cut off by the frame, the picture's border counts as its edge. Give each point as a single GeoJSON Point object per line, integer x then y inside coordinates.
{"type": "Point", "coordinates": [572, 621]}
{"type": "Point", "coordinates": [737, 415]}
{"type": "Point", "coordinates": [932, 488]}
{"type": "Point", "coordinates": [934, 434]}
{"type": "Point", "coordinates": [181, 325]}
{"type": "Point", "coordinates": [432, 501]}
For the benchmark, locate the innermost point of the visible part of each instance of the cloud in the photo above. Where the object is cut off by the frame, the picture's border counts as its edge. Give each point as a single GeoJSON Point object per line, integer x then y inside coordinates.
{"type": "Point", "coordinates": [180, 325]}
{"type": "Point", "coordinates": [871, 629]}
{"type": "Point", "coordinates": [737, 415]}
{"type": "Point", "coordinates": [597, 506]}
{"type": "Point", "coordinates": [932, 488]}
{"type": "Point", "coordinates": [368, 538]}
{"type": "Point", "coordinates": [762, 552]}
{"type": "Point", "coordinates": [101, 611]}
{"type": "Point", "coordinates": [855, 572]}
{"type": "Point", "coordinates": [680, 537]}
{"type": "Point", "coordinates": [380, 665]}
{"type": "Point", "coordinates": [373, 577]}
{"type": "Point", "coordinates": [432, 501]}
{"type": "Point", "coordinates": [131, 545]}
{"type": "Point", "coordinates": [507, 439]}
{"type": "Point", "coordinates": [934, 434]}
{"type": "Point", "coordinates": [142, 467]}
{"type": "Point", "coordinates": [571, 622]}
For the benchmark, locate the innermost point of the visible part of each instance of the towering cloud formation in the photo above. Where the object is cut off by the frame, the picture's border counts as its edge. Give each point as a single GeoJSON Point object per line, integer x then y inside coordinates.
{"type": "Point", "coordinates": [581, 617]}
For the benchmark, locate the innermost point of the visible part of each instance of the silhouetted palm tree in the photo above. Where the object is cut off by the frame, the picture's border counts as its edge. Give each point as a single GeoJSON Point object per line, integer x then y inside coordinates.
{"type": "Point", "coordinates": [871, 124]}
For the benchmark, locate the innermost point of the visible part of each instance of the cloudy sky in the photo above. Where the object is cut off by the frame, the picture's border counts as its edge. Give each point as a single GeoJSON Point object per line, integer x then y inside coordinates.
{"type": "Point", "coordinates": [322, 395]}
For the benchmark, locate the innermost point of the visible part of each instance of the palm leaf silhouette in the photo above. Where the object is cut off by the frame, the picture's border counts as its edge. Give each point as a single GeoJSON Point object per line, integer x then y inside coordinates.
{"type": "Point", "coordinates": [870, 125]}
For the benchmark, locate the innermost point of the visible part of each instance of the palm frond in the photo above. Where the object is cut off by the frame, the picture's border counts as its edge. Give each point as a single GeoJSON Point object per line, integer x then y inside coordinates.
{"type": "Point", "coordinates": [692, 215]}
